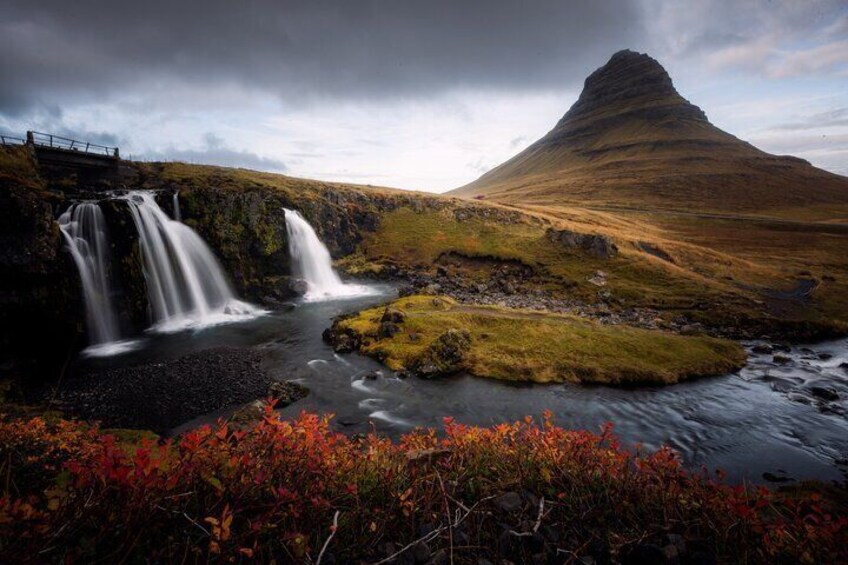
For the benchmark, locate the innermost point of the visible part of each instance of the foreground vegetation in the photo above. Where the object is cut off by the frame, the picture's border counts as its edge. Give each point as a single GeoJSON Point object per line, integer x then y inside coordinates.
{"type": "Point", "coordinates": [297, 491]}
{"type": "Point", "coordinates": [418, 332]}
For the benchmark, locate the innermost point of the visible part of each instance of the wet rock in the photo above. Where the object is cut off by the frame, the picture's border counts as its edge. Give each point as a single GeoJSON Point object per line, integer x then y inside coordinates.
{"type": "Point", "coordinates": [286, 392]}
{"type": "Point", "coordinates": [299, 286]}
{"type": "Point", "coordinates": [249, 413]}
{"type": "Point", "coordinates": [772, 478]}
{"type": "Point", "coordinates": [825, 393]}
{"type": "Point", "coordinates": [508, 502]}
{"type": "Point", "coordinates": [781, 359]}
{"type": "Point", "coordinates": [825, 356]}
{"type": "Point", "coordinates": [444, 356]}
{"type": "Point", "coordinates": [762, 349]}
{"type": "Point", "coordinates": [343, 340]}
{"type": "Point", "coordinates": [798, 397]}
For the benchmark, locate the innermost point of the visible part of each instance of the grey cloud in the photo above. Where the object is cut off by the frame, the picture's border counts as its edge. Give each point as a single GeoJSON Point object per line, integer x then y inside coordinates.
{"type": "Point", "coordinates": [215, 152]}
{"type": "Point", "coordinates": [56, 51]}
{"type": "Point", "coordinates": [832, 118]}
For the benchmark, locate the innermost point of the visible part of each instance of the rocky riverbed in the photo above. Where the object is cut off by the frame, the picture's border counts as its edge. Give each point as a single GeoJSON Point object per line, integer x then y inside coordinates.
{"type": "Point", "coordinates": [164, 394]}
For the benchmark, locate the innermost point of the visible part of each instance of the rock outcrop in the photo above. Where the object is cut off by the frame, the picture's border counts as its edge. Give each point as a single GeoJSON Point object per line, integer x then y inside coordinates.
{"type": "Point", "coordinates": [598, 246]}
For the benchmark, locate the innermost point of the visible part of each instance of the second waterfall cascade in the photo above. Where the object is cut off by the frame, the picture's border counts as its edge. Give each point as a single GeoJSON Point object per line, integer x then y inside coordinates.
{"type": "Point", "coordinates": [186, 286]}
{"type": "Point", "coordinates": [312, 262]}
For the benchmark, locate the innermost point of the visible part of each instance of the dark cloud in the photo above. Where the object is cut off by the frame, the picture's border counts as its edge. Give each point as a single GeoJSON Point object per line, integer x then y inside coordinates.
{"type": "Point", "coordinates": [55, 51]}
{"type": "Point", "coordinates": [215, 152]}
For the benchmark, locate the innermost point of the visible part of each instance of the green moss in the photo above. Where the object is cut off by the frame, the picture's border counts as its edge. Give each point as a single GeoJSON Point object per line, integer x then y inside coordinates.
{"type": "Point", "coordinates": [541, 347]}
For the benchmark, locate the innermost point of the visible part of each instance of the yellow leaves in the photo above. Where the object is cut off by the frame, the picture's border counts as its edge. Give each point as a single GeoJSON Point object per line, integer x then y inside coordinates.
{"type": "Point", "coordinates": [220, 529]}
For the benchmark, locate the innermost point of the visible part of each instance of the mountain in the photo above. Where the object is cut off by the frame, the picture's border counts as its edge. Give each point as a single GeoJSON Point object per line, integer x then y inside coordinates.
{"type": "Point", "coordinates": [631, 140]}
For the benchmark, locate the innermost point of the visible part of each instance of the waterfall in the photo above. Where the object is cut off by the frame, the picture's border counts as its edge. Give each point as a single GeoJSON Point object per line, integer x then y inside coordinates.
{"type": "Point", "coordinates": [176, 201]}
{"type": "Point", "coordinates": [84, 229]}
{"type": "Point", "coordinates": [186, 286]}
{"type": "Point", "coordinates": [312, 262]}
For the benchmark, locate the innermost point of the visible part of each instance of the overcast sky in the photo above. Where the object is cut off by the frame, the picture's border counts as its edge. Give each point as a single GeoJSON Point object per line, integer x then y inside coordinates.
{"type": "Point", "coordinates": [414, 94]}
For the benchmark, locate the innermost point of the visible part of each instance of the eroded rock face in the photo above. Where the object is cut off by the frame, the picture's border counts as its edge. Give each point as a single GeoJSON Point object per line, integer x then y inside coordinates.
{"type": "Point", "coordinates": [599, 246]}
{"type": "Point", "coordinates": [630, 83]}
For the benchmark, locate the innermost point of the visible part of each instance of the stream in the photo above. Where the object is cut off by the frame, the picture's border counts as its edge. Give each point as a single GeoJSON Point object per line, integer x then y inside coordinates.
{"type": "Point", "coordinates": [764, 422]}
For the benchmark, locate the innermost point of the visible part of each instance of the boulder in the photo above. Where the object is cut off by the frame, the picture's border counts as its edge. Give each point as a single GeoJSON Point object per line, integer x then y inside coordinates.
{"type": "Point", "coordinates": [286, 392]}
{"type": "Point", "coordinates": [599, 246]}
{"type": "Point", "coordinates": [444, 356]}
{"type": "Point", "coordinates": [393, 315]}
{"type": "Point", "coordinates": [299, 286]}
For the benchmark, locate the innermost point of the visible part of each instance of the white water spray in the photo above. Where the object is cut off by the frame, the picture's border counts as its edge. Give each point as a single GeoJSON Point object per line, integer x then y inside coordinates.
{"type": "Point", "coordinates": [186, 286]}
{"type": "Point", "coordinates": [84, 229]}
{"type": "Point", "coordinates": [313, 263]}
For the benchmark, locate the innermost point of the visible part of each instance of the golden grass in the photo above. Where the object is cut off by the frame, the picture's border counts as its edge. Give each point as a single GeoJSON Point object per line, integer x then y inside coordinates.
{"type": "Point", "coordinates": [540, 347]}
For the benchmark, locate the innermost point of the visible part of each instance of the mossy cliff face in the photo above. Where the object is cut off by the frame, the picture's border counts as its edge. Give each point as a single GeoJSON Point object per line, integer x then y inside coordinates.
{"type": "Point", "coordinates": [40, 302]}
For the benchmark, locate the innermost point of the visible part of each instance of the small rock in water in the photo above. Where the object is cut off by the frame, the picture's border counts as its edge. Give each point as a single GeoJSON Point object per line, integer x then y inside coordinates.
{"type": "Point", "coordinates": [825, 393]}
{"type": "Point", "coordinates": [772, 478]}
{"type": "Point", "coordinates": [781, 359]}
{"type": "Point", "coordinates": [286, 392]}
{"type": "Point", "coordinates": [299, 286]}
{"type": "Point", "coordinates": [762, 349]}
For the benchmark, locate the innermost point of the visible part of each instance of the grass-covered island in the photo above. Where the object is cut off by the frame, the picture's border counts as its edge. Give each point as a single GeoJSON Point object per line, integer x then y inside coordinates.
{"type": "Point", "coordinates": [435, 335]}
{"type": "Point", "coordinates": [295, 491]}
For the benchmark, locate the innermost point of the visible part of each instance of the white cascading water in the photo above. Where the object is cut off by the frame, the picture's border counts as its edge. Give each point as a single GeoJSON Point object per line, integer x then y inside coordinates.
{"type": "Point", "coordinates": [312, 262]}
{"type": "Point", "coordinates": [186, 286]}
{"type": "Point", "coordinates": [176, 202]}
{"type": "Point", "coordinates": [84, 229]}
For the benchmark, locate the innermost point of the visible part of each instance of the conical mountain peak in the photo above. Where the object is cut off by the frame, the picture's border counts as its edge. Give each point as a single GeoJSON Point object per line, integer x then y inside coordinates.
{"type": "Point", "coordinates": [632, 140]}
{"type": "Point", "coordinates": [630, 83]}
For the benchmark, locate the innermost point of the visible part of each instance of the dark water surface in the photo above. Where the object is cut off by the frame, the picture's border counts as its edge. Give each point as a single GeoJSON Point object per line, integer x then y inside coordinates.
{"type": "Point", "coordinates": [768, 418]}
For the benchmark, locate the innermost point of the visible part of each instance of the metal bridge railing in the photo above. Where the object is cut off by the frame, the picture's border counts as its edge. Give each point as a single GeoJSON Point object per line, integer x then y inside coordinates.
{"type": "Point", "coordinates": [68, 144]}
{"type": "Point", "coordinates": [9, 140]}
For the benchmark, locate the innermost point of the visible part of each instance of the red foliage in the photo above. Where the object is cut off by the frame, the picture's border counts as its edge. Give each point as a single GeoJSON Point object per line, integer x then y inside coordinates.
{"type": "Point", "coordinates": [271, 491]}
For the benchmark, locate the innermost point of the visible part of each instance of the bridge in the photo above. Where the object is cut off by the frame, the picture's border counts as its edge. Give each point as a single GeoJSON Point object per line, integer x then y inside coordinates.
{"type": "Point", "coordinates": [64, 152]}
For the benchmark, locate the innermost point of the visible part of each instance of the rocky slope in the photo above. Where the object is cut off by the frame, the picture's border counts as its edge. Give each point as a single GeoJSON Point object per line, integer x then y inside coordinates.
{"type": "Point", "coordinates": [631, 140]}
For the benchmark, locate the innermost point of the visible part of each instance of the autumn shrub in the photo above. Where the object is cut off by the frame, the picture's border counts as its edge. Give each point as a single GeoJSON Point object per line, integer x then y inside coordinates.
{"type": "Point", "coordinates": [296, 491]}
